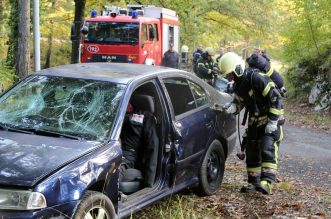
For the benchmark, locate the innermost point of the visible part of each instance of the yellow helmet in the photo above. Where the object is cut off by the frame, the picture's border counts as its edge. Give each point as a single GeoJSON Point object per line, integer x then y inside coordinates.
{"type": "Point", "coordinates": [210, 51]}
{"type": "Point", "coordinates": [231, 62]}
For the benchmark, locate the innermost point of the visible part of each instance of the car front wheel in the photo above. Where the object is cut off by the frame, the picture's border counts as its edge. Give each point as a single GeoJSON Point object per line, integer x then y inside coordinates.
{"type": "Point", "coordinates": [211, 170]}
{"type": "Point", "coordinates": [95, 205]}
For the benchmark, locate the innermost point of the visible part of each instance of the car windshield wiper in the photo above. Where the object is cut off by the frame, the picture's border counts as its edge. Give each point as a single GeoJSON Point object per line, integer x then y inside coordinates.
{"type": "Point", "coordinates": [55, 134]}
{"type": "Point", "coordinates": [3, 126]}
{"type": "Point", "coordinates": [48, 133]}
{"type": "Point", "coordinates": [10, 128]}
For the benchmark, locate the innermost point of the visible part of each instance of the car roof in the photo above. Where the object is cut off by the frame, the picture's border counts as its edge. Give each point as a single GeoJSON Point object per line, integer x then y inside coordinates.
{"type": "Point", "coordinates": [114, 72]}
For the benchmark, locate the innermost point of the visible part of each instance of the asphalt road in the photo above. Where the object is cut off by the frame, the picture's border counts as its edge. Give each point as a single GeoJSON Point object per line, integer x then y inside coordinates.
{"type": "Point", "coordinates": [305, 154]}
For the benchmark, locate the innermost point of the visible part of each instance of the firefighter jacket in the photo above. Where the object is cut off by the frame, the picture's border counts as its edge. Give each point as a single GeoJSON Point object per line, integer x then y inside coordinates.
{"type": "Point", "coordinates": [140, 144]}
{"type": "Point", "coordinates": [196, 55]}
{"type": "Point", "coordinates": [258, 94]}
{"type": "Point", "coordinates": [205, 68]}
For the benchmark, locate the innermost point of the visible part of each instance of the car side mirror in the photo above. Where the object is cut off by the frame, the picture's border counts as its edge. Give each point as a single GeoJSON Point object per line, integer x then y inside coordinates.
{"type": "Point", "coordinates": [220, 101]}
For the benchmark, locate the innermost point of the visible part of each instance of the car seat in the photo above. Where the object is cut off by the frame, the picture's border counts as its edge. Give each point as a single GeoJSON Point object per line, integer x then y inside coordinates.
{"type": "Point", "coordinates": [143, 102]}
{"type": "Point", "coordinates": [132, 179]}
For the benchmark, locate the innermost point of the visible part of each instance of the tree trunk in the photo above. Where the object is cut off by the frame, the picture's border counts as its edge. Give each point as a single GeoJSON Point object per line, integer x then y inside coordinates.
{"type": "Point", "coordinates": [50, 41]}
{"type": "Point", "coordinates": [79, 18]}
{"type": "Point", "coordinates": [49, 49]}
{"type": "Point", "coordinates": [23, 49]}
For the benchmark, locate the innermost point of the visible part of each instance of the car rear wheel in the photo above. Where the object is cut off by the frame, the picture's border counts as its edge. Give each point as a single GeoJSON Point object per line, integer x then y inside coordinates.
{"type": "Point", "coordinates": [211, 170]}
{"type": "Point", "coordinates": [95, 205]}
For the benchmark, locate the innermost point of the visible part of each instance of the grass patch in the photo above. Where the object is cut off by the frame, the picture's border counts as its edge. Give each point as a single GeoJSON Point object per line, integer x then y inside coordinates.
{"type": "Point", "coordinates": [328, 199]}
{"type": "Point", "coordinates": [178, 206]}
{"type": "Point", "coordinates": [286, 187]}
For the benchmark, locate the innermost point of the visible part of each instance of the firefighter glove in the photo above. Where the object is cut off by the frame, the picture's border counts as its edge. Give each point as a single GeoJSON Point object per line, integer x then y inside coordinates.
{"type": "Point", "coordinates": [231, 108]}
{"type": "Point", "coordinates": [214, 72]}
{"type": "Point", "coordinates": [271, 126]}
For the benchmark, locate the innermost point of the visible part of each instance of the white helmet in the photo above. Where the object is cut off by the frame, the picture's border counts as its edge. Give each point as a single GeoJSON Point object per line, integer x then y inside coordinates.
{"type": "Point", "coordinates": [231, 62]}
{"type": "Point", "coordinates": [210, 51]}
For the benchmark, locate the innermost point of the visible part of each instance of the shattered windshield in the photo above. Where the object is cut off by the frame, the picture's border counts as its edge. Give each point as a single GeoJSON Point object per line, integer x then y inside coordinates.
{"type": "Point", "coordinates": [112, 33]}
{"type": "Point", "coordinates": [67, 106]}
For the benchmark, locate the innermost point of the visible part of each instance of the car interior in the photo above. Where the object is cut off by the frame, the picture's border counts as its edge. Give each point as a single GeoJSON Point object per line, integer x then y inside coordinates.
{"type": "Point", "coordinates": [144, 98]}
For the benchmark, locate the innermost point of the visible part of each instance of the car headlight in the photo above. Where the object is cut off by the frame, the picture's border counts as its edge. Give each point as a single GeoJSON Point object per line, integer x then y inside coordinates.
{"type": "Point", "coordinates": [21, 200]}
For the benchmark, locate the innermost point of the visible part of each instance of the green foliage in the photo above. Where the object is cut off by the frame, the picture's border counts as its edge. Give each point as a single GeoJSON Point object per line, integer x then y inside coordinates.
{"type": "Point", "coordinates": [308, 29]}
{"type": "Point", "coordinates": [9, 36]}
{"type": "Point", "coordinates": [3, 30]}
{"type": "Point", "coordinates": [7, 76]}
{"type": "Point", "coordinates": [307, 45]}
{"type": "Point", "coordinates": [302, 77]}
{"type": "Point", "coordinates": [13, 32]}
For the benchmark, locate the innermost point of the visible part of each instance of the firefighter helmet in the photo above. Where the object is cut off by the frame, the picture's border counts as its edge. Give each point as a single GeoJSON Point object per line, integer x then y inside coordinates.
{"type": "Point", "coordinates": [231, 62]}
{"type": "Point", "coordinates": [209, 51]}
{"type": "Point", "coordinates": [184, 49]}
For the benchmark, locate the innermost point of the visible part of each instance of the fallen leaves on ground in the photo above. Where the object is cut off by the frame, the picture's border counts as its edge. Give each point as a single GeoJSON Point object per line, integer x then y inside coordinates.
{"type": "Point", "coordinates": [304, 115]}
{"type": "Point", "coordinates": [291, 199]}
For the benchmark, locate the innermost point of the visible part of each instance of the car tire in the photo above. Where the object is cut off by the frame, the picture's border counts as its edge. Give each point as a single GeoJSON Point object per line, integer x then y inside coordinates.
{"type": "Point", "coordinates": [211, 170]}
{"type": "Point", "coordinates": [94, 204]}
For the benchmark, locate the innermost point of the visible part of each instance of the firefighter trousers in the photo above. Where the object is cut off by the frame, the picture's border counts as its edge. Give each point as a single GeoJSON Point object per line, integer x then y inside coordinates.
{"type": "Point", "coordinates": [262, 153]}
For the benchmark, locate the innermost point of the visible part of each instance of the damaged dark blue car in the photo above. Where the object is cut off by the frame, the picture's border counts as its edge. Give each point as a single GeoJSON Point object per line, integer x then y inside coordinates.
{"type": "Point", "coordinates": [60, 145]}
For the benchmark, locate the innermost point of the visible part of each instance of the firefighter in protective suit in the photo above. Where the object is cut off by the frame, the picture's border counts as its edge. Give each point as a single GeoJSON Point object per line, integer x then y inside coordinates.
{"type": "Point", "coordinates": [206, 67]}
{"type": "Point", "coordinates": [257, 93]}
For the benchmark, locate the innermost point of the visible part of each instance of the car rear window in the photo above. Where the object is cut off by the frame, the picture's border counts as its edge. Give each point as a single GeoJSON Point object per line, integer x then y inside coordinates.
{"type": "Point", "coordinates": [180, 95]}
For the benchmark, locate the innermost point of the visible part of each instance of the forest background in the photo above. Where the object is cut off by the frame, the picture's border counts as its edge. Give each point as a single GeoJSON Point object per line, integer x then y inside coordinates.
{"type": "Point", "coordinates": [295, 33]}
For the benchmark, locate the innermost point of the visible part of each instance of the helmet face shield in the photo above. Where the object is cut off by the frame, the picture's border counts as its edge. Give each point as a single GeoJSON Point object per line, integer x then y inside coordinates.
{"type": "Point", "coordinates": [238, 70]}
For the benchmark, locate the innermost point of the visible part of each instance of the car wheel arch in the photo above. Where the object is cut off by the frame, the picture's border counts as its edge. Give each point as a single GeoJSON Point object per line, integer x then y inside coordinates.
{"type": "Point", "coordinates": [203, 187]}
{"type": "Point", "coordinates": [94, 200]}
{"type": "Point", "coordinates": [224, 146]}
{"type": "Point", "coordinates": [107, 186]}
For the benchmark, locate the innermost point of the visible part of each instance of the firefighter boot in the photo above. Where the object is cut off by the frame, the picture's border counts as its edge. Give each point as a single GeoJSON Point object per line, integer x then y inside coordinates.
{"type": "Point", "coordinates": [253, 182]}
{"type": "Point", "coordinates": [248, 188]}
{"type": "Point", "coordinates": [265, 187]}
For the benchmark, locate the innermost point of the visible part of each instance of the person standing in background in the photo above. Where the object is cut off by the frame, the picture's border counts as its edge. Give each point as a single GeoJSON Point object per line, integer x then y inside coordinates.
{"type": "Point", "coordinates": [171, 57]}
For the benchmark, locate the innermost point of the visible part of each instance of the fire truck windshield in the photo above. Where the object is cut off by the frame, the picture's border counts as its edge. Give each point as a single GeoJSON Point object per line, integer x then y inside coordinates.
{"type": "Point", "coordinates": [112, 33]}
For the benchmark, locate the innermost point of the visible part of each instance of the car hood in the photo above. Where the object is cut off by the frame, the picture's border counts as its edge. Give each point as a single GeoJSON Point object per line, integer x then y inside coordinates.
{"type": "Point", "coordinates": [26, 158]}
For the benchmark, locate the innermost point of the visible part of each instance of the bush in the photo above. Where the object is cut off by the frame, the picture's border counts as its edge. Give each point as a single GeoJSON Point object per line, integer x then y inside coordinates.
{"type": "Point", "coordinates": [301, 78]}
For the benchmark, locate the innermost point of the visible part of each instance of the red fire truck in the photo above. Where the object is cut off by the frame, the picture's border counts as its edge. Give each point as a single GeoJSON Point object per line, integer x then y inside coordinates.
{"type": "Point", "coordinates": [136, 34]}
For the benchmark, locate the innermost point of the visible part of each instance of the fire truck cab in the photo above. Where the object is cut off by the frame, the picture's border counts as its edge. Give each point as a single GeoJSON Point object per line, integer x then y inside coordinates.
{"type": "Point", "coordinates": [136, 34]}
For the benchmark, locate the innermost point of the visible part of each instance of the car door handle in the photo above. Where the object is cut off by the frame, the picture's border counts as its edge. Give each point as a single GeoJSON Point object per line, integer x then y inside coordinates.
{"type": "Point", "coordinates": [167, 148]}
{"type": "Point", "coordinates": [209, 124]}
